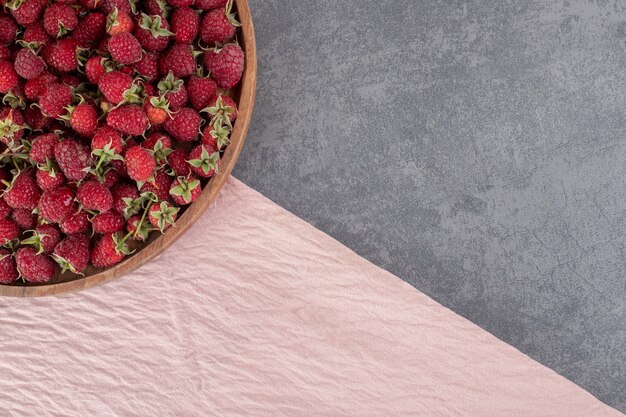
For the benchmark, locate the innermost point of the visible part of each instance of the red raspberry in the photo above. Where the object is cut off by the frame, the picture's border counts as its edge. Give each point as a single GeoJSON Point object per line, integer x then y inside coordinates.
{"type": "Point", "coordinates": [177, 160]}
{"type": "Point", "coordinates": [185, 191]}
{"type": "Point", "coordinates": [119, 22]}
{"type": "Point", "coordinates": [148, 66]}
{"type": "Point", "coordinates": [225, 65]}
{"type": "Point", "coordinates": [107, 6]}
{"type": "Point", "coordinates": [84, 119]}
{"type": "Point", "coordinates": [156, 7]}
{"type": "Point", "coordinates": [106, 135]}
{"type": "Point", "coordinates": [36, 87]}
{"type": "Point", "coordinates": [36, 34]}
{"type": "Point", "coordinates": [33, 267]}
{"type": "Point", "coordinates": [124, 48]}
{"type": "Point", "coordinates": [55, 99]}
{"type": "Point", "coordinates": [116, 86]}
{"type": "Point", "coordinates": [209, 4]}
{"type": "Point", "coordinates": [56, 204]}
{"type": "Point", "coordinates": [72, 253]}
{"type": "Point", "coordinates": [110, 178]}
{"type": "Point", "coordinates": [94, 69]}
{"type": "Point", "coordinates": [8, 268]}
{"type": "Point", "coordinates": [24, 218]}
{"type": "Point", "coordinates": [35, 119]}
{"type": "Point", "coordinates": [94, 196]}
{"type": "Point", "coordinates": [90, 4]}
{"type": "Point", "coordinates": [23, 192]}
{"type": "Point", "coordinates": [184, 126]}
{"type": "Point", "coordinates": [62, 55]}
{"type": "Point", "coordinates": [174, 91]}
{"type": "Point", "coordinates": [27, 12]}
{"type": "Point", "coordinates": [139, 230]}
{"type": "Point", "coordinates": [73, 158]}
{"type": "Point", "coordinates": [218, 26]}
{"type": "Point", "coordinates": [42, 148]}
{"type": "Point", "coordinates": [153, 33]}
{"type": "Point", "coordinates": [50, 179]}
{"type": "Point", "coordinates": [90, 29]}
{"type": "Point", "coordinates": [139, 163]}
{"type": "Point", "coordinates": [8, 29]}
{"type": "Point", "coordinates": [179, 60]}
{"type": "Point", "coordinates": [5, 53]}
{"type": "Point", "coordinates": [185, 25]}
{"type": "Point", "coordinates": [59, 19]}
{"type": "Point", "coordinates": [160, 187]}
{"type": "Point", "coordinates": [202, 91]}
{"type": "Point", "coordinates": [151, 142]}
{"type": "Point", "coordinates": [109, 222]}
{"type": "Point", "coordinates": [111, 249]}
{"type": "Point", "coordinates": [180, 3]}
{"type": "Point", "coordinates": [76, 222]}
{"type": "Point", "coordinates": [9, 230]}
{"type": "Point", "coordinates": [121, 192]}
{"type": "Point", "coordinates": [8, 77]}
{"type": "Point", "coordinates": [129, 119]}
{"type": "Point", "coordinates": [5, 209]}
{"type": "Point", "coordinates": [27, 64]}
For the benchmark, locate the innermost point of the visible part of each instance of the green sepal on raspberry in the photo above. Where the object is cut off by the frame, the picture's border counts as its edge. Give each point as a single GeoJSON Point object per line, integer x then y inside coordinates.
{"type": "Point", "coordinates": [232, 18]}
{"type": "Point", "coordinates": [219, 111]}
{"type": "Point", "coordinates": [160, 152]}
{"type": "Point", "coordinates": [169, 84]}
{"type": "Point", "coordinates": [14, 101]}
{"type": "Point", "coordinates": [163, 215]}
{"type": "Point", "coordinates": [207, 162]}
{"type": "Point", "coordinates": [184, 189]}
{"type": "Point", "coordinates": [221, 133]}
{"type": "Point", "coordinates": [35, 240]}
{"type": "Point", "coordinates": [153, 25]}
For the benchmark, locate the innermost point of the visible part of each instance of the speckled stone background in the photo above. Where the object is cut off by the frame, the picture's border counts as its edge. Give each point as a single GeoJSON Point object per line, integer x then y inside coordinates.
{"type": "Point", "coordinates": [476, 149]}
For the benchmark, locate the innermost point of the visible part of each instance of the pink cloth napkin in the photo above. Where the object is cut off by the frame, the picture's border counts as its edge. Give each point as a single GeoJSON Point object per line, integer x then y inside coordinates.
{"type": "Point", "coordinates": [256, 313]}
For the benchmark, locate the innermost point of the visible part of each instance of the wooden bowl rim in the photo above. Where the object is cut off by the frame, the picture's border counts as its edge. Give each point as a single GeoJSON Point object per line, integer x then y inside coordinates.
{"type": "Point", "coordinates": [193, 212]}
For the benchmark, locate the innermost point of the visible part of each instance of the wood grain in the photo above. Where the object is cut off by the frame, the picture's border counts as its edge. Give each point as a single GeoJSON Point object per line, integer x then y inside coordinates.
{"type": "Point", "coordinates": [157, 243]}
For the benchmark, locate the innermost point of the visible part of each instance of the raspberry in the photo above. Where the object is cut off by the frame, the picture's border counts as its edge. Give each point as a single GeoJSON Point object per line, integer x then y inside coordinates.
{"type": "Point", "coordinates": [73, 158]}
{"type": "Point", "coordinates": [185, 190]}
{"type": "Point", "coordinates": [56, 204]}
{"type": "Point", "coordinates": [94, 196]}
{"type": "Point", "coordinates": [108, 251]}
{"type": "Point", "coordinates": [8, 231]}
{"type": "Point", "coordinates": [8, 268]}
{"type": "Point", "coordinates": [34, 267]}
{"type": "Point", "coordinates": [23, 192]}
{"type": "Point", "coordinates": [8, 77]}
{"type": "Point", "coordinates": [129, 119]}
{"type": "Point", "coordinates": [76, 222]}
{"type": "Point", "coordinates": [109, 222]}
{"type": "Point", "coordinates": [124, 48]}
{"type": "Point", "coordinates": [72, 253]}
{"type": "Point", "coordinates": [27, 64]}
{"type": "Point", "coordinates": [225, 65]}
{"type": "Point", "coordinates": [184, 126]}
{"type": "Point", "coordinates": [179, 60]}
{"type": "Point", "coordinates": [139, 163]}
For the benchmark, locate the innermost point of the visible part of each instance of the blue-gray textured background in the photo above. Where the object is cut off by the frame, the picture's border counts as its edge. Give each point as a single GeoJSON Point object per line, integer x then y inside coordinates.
{"type": "Point", "coordinates": [476, 149]}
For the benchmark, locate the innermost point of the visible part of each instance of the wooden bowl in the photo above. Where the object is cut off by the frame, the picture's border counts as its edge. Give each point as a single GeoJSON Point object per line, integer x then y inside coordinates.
{"type": "Point", "coordinates": [157, 243]}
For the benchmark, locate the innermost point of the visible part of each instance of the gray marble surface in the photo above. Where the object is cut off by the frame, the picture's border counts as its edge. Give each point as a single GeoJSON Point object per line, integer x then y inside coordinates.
{"type": "Point", "coordinates": [476, 149]}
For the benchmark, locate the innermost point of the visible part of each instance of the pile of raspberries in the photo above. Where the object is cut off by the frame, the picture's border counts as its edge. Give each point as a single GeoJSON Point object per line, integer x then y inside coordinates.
{"type": "Point", "coordinates": [114, 115]}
